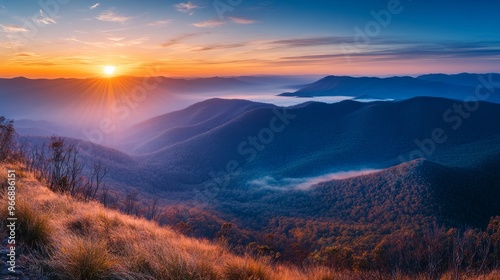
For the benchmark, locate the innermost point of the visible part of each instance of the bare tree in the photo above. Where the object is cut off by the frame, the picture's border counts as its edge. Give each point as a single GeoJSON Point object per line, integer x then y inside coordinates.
{"type": "Point", "coordinates": [40, 162]}
{"type": "Point", "coordinates": [7, 133]}
{"type": "Point", "coordinates": [95, 181]}
{"type": "Point", "coordinates": [105, 196]}
{"type": "Point", "coordinates": [58, 180]}
{"type": "Point", "coordinates": [484, 248]}
{"type": "Point", "coordinates": [75, 169]}
{"type": "Point", "coordinates": [130, 203]}
{"type": "Point", "coordinates": [458, 254]}
{"type": "Point", "coordinates": [152, 210]}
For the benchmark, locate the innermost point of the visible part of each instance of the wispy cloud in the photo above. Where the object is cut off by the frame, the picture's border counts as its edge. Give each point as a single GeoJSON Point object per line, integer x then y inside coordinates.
{"type": "Point", "coordinates": [177, 40]}
{"type": "Point", "coordinates": [13, 28]}
{"type": "Point", "coordinates": [269, 182]}
{"type": "Point", "coordinates": [209, 23]}
{"type": "Point", "coordinates": [219, 47]}
{"type": "Point", "coordinates": [116, 42]}
{"type": "Point", "coordinates": [93, 44]}
{"type": "Point", "coordinates": [111, 16]}
{"type": "Point", "coordinates": [404, 50]}
{"type": "Point", "coordinates": [3, 10]}
{"type": "Point", "coordinates": [10, 45]}
{"type": "Point", "coordinates": [116, 39]}
{"type": "Point", "coordinates": [27, 55]}
{"type": "Point", "coordinates": [187, 7]}
{"type": "Point", "coordinates": [240, 20]}
{"type": "Point", "coordinates": [313, 41]}
{"type": "Point", "coordinates": [162, 22]}
{"type": "Point", "coordinates": [39, 63]}
{"type": "Point", "coordinates": [42, 18]}
{"type": "Point", "coordinates": [95, 6]}
{"type": "Point", "coordinates": [117, 29]}
{"type": "Point", "coordinates": [132, 42]}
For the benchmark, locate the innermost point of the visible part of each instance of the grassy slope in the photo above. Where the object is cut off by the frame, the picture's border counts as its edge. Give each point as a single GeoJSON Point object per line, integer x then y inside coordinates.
{"type": "Point", "coordinates": [69, 239]}
{"type": "Point", "coordinates": [63, 238]}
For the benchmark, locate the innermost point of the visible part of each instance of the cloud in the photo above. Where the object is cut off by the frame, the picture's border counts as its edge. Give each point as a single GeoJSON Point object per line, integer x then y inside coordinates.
{"type": "Point", "coordinates": [117, 29]}
{"type": "Point", "coordinates": [3, 10]}
{"type": "Point", "coordinates": [313, 41]}
{"type": "Point", "coordinates": [219, 47]}
{"type": "Point", "coordinates": [116, 42]}
{"type": "Point", "coordinates": [95, 6]}
{"type": "Point", "coordinates": [26, 55]}
{"type": "Point", "coordinates": [443, 50]}
{"type": "Point", "coordinates": [177, 40]}
{"type": "Point", "coordinates": [269, 182]}
{"type": "Point", "coordinates": [93, 44]}
{"type": "Point", "coordinates": [42, 18]}
{"type": "Point", "coordinates": [10, 45]}
{"type": "Point", "coordinates": [111, 16]}
{"type": "Point", "coordinates": [116, 39]}
{"type": "Point", "coordinates": [209, 23]}
{"type": "Point", "coordinates": [405, 50]}
{"type": "Point", "coordinates": [40, 63]}
{"type": "Point", "coordinates": [241, 20]}
{"type": "Point", "coordinates": [187, 7]}
{"type": "Point", "coordinates": [160, 22]}
{"type": "Point", "coordinates": [132, 42]}
{"type": "Point", "coordinates": [13, 28]}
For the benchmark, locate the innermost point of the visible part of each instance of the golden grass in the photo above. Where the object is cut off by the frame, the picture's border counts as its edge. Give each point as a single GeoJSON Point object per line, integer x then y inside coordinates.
{"type": "Point", "coordinates": [33, 228]}
{"type": "Point", "coordinates": [78, 240]}
{"type": "Point", "coordinates": [81, 259]}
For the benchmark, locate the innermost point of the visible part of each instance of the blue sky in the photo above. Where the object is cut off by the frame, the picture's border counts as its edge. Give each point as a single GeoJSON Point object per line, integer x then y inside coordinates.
{"type": "Point", "coordinates": [193, 38]}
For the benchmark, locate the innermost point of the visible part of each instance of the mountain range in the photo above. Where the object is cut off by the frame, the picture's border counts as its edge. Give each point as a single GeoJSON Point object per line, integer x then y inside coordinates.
{"type": "Point", "coordinates": [84, 103]}
{"type": "Point", "coordinates": [315, 174]}
{"type": "Point", "coordinates": [190, 148]}
{"type": "Point", "coordinates": [459, 86]}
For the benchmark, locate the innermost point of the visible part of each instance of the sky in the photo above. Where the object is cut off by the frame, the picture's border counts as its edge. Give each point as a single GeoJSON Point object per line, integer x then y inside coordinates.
{"type": "Point", "coordinates": [69, 38]}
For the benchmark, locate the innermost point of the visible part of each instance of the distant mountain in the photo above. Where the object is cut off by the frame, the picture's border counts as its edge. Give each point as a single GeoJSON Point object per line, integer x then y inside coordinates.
{"type": "Point", "coordinates": [45, 128]}
{"type": "Point", "coordinates": [193, 148]}
{"type": "Point", "coordinates": [165, 130]}
{"type": "Point", "coordinates": [86, 102]}
{"type": "Point", "coordinates": [210, 155]}
{"type": "Point", "coordinates": [189, 147]}
{"type": "Point", "coordinates": [214, 84]}
{"type": "Point", "coordinates": [462, 79]}
{"type": "Point", "coordinates": [291, 82]}
{"type": "Point", "coordinates": [368, 97]}
{"type": "Point", "coordinates": [457, 87]}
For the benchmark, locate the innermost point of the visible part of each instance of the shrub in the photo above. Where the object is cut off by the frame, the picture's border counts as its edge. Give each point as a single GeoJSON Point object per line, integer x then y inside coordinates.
{"type": "Point", "coordinates": [83, 259]}
{"type": "Point", "coordinates": [33, 228]}
{"type": "Point", "coordinates": [247, 270]}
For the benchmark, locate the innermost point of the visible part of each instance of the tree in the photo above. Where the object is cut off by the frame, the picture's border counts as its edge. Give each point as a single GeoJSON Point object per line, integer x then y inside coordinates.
{"type": "Point", "coordinates": [339, 257]}
{"type": "Point", "coordinates": [59, 169]}
{"type": "Point", "coordinates": [63, 169]}
{"type": "Point", "coordinates": [152, 210]}
{"type": "Point", "coordinates": [7, 133]}
{"type": "Point", "coordinates": [458, 254]}
{"type": "Point", "coordinates": [130, 203]}
{"type": "Point", "coordinates": [95, 181]}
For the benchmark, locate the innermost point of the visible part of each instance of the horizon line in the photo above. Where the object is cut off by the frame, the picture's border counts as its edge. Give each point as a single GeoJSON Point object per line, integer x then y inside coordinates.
{"type": "Point", "coordinates": [239, 76]}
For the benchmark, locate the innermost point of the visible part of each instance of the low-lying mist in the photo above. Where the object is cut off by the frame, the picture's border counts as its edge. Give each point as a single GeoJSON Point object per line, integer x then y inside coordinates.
{"type": "Point", "coordinates": [269, 182]}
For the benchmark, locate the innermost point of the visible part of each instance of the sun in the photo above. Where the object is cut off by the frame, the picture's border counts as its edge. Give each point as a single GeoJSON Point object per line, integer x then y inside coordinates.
{"type": "Point", "coordinates": [109, 70]}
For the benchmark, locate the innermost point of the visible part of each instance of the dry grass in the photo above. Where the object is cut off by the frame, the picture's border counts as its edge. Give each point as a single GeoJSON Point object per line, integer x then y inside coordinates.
{"type": "Point", "coordinates": [33, 228]}
{"type": "Point", "coordinates": [87, 241]}
{"type": "Point", "coordinates": [80, 259]}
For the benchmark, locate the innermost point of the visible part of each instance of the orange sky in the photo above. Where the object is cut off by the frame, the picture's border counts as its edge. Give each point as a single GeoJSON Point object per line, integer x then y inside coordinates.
{"type": "Point", "coordinates": [79, 38]}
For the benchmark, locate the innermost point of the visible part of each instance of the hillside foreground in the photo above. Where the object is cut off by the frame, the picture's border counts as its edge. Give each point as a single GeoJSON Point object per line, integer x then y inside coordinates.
{"type": "Point", "coordinates": [63, 238]}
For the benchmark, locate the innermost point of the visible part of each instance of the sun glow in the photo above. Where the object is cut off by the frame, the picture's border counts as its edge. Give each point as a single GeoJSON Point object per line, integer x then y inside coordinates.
{"type": "Point", "coordinates": [109, 70]}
